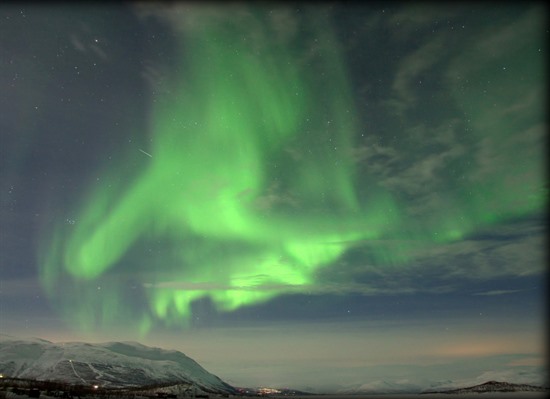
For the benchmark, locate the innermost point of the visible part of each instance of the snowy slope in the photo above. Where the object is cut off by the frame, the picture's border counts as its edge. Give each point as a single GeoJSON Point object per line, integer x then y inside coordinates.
{"type": "Point", "coordinates": [382, 387]}
{"type": "Point", "coordinates": [112, 364]}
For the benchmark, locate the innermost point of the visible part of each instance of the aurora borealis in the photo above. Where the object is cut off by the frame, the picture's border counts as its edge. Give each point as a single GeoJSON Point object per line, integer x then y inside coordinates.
{"type": "Point", "coordinates": [173, 170]}
{"type": "Point", "coordinates": [249, 108]}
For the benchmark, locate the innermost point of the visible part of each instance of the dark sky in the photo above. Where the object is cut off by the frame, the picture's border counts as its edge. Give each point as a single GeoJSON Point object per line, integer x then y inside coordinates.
{"type": "Point", "coordinates": [310, 196]}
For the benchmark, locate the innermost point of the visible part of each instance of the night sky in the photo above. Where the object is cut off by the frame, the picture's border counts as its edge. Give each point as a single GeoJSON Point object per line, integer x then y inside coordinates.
{"type": "Point", "coordinates": [308, 196]}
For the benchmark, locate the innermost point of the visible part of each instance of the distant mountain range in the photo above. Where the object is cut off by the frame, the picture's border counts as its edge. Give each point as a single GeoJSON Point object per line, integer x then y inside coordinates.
{"type": "Point", "coordinates": [108, 365]}
{"type": "Point", "coordinates": [133, 365]}
{"type": "Point", "coordinates": [495, 386]}
{"type": "Point", "coordinates": [405, 387]}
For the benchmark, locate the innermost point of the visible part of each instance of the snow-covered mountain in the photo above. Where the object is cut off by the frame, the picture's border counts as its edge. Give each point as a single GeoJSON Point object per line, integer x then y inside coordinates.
{"type": "Point", "coordinates": [495, 386]}
{"type": "Point", "coordinates": [404, 386]}
{"type": "Point", "coordinates": [111, 364]}
{"type": "Point", "coordinates": [382, 387]}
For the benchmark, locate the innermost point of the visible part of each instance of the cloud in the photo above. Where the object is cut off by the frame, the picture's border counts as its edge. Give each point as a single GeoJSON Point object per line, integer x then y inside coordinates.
{"type": "Point", "coordinates": [318, 288]}
{"type": "Point", "coordinates": [408, 78]}
{"type": "Point", "coordinates": [216, 286]}
{"type": "Point", "coordinates": [420, 176]}
{"type": "Point", "coordinates": [528, 361]}
{"type": "Point", "coordinates": [77, 44]}
{"type": "Point", "coordinates": [488, 258]}
{"type": "Point", "coordinates": [274, 196]}
{"type": "Point", "coordinates": [419, 172]}
{"type": "Point", "coordinates": [417, 17]}
{"type": "Point", "coordinates": [500, 41]}
{"type": "Point", "coordinates": [496, 292]}
{"type": "Point", "coordinates": [489, 140]}
{"type": "Point", "coordinates": [19, 287]}
{"type": "Point", "coordinates": [485, 346]}
{"type": "Point", "coordinates": [515, 249]}
{"type": "Point", "coordinates": [85, 42]}
{"type": "Point", "coordinates": [190, 18]}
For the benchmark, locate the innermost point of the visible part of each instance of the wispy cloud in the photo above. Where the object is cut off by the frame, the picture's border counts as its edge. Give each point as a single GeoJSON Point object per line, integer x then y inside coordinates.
{"type": "Point", "coordinates": [19, 287]}
{"type": "Point", "coordinates": [509, 250]}
{"type": "Point", "coordinates": [445, 266]}
{"type": "Point", "coordinates": [408, 80]}
{"type": "Point", "coordinates": [528, 361]}
{"type": "Point", "coordinates": [487, 258]}
{"type": "Point", "coordinates": [496, 292]}
{"type": "Point", "coordinates": [417, 17]}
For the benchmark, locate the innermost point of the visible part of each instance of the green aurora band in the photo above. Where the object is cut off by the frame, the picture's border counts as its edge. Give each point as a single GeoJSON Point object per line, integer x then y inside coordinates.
{"type": "Point", "coordinates": [251, 187]}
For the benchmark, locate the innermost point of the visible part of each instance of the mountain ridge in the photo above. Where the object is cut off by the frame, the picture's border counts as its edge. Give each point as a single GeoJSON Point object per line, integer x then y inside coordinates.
{"type": "Point", "coordinates": [110, 364]}
{"type": "Point", "coordinates": [494, 386]}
